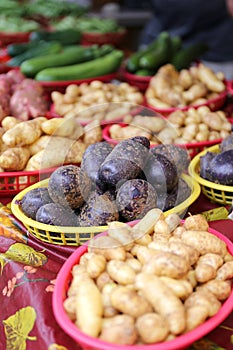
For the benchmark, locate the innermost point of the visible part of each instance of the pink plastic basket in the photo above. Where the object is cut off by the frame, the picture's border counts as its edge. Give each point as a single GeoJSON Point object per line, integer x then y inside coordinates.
{"type": "Point", "coordinates": [63, 280]}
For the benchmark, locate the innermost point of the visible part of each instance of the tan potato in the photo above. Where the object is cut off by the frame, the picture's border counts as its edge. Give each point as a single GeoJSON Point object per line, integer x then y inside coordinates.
{"type": "Point", "coordinates": [166, 264]}
{"type": "Point", "coordinates": [9, 122]}
{"type": "Point", "coordinates": [220, 288]}
{"type": "Point", "coordinates": [207, 266]}
{"type": "Point", "coordinates": [152, 328]}
{"type": "Point", "coordinates": [89, 308]}
{"type": "Point", "coordinates": [22, 134]}
{"type": "Point", "coordinates": [96, 264]}
{"type": "Point", "coordinates": [119, 329]}
{"type": "Point", "coordinates": [225, 272]}
{"type": "Point", "coordinates": [40, 144]}
{"type": "Point", "coordinates": [59, 126]}
{"type": "Point", "coordinates": [204, 242]}
{"type": "Point", "coordinates": [75, 153]}
{"type": "Point", "coordinates": [14, 159]}
{"type": "Point", "coordinates": [210, 79]}
{"type": "Point", "coordinates": [103, 279]}
{"type": "Point", "coordinates": [129, 302]}
{"type": "Point", "coordinates": [108, 307]}
{"type": "Point", "coordinates": [108, 246]}
{"type": "Point", "coordinates": [120, 272]}
{"type": "Point", "coordinates": [181, 287]}
{"type": "Point", "coordinates": [154, 291]}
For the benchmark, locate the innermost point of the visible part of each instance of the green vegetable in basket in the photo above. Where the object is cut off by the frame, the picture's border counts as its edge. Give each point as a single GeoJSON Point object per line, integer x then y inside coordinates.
{"type": "Point", "coordinates": [70, 55]}
{"type": "Point", "coordinates": [106, 64]}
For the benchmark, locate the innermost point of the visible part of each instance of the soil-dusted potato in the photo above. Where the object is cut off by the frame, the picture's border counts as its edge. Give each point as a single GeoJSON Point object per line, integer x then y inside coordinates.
{"type": "Point", "coordinates": [69, 186]}
{"type": "Point", "coordinates": [33, 200]}
{"type": "Point", "coordinates": [93, 157]}
{"type": "Point", "coordinates": [57, 215]}
{"type": "Point", "coordinates": [221, 168]}
{"type": "Point", "coordinates": [135, 198]}
{"type": "Point", "coordinates": [125, 161]}
{"type": "Point", "coordinates": [161, 173]}
{"type": "Point", "coordinates": [179, 156]}
{"type": "Point", "coordinates": [98, 210]}
{"type": "Point", "coordinates": [205, 165]}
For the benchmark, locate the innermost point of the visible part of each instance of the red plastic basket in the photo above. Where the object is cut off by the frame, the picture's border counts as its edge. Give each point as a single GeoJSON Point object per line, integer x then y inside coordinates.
{"type": "Point", "coordinates": [230, 87]}
{"type": "Point", "coordinates": [61, 86]}
{"type": "Point", "coordinates": [114, 38]}
{"type": "Point", "coordinates": [12, 183]}
{"type": "Point", "coordinates": [214, 104]}
{"type": "Point", "coordinates": [193, 148]}
{"type": "Point", "coordinates": [7, 38]}
{"type": "Point", "coordinates": [141, 82]}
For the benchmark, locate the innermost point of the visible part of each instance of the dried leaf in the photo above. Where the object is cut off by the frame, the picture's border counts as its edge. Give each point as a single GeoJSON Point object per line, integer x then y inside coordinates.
{"type": "Point", "coordinates": [24, 254]}
{"type": "Point", "coordinates": [18, 326]}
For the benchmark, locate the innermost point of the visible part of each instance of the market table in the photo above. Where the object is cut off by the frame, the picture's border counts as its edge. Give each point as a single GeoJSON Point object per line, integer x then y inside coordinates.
{"type": "Point", "coordinates": [28, 273]}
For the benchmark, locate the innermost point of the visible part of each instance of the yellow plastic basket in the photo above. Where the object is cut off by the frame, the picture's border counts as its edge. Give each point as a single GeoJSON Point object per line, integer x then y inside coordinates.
{"type": "Point", "coordinates": [221, 194]}
{"type": "Point", "coordinates": [75, 236]}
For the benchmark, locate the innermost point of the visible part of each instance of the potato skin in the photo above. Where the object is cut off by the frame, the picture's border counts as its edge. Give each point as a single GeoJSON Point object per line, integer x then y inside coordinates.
{"type": "Point", "coordinates": [135, 198]}
{"type": "Point", "coordinates": [125, 161]}
{"type": "Point", "coordinates": [33, 200]}
{"type": "Point", "coordinates": [56, 214]}
{"type": "Point", "coordinates": [69, 186]}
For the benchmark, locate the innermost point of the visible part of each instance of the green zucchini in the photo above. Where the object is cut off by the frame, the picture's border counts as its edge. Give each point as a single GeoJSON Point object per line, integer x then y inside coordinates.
{"type": "Point", "coordinates": [133, 62]}
{"type": "Point", "coordinates": [160, 55]}
{"type": "Point", "coordinates": [43, 48]}
{"type": "Point", "coordinates": [18, 48]}
{"type": "Point", "coordinates": [69, 55]}
{"type": "Point", "coordinates": [184, 57]}
{"type": "Point", "coordinates": [106, 64]}
{"type": "Point", "coordinates": [65, 36]}
{"type": "Point", "coordinates": [176, 44]}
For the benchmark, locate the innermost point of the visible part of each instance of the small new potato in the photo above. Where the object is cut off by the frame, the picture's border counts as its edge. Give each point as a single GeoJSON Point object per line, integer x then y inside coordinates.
{"type": "Point", "coordinates": [152, 328]}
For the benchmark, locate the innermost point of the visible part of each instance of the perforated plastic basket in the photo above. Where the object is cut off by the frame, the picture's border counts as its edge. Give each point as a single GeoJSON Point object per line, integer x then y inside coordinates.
{"type": "Point", "coordinates": [74, 236]}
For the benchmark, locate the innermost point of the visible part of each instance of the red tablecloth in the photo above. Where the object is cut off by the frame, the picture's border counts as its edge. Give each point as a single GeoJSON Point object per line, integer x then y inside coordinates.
{"type": "Point", "coordinates": [28, 272]}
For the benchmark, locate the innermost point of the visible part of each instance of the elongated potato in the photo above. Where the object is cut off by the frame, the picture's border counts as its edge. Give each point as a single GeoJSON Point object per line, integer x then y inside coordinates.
{"type": "Point", "coordinates": [156, 291]}
{"type": "Point", "coordinates": [89, 308]}
{"type": "Point", "coordinates": [23, 134]}
{"type": "Point", "coordinates": [204, 242]}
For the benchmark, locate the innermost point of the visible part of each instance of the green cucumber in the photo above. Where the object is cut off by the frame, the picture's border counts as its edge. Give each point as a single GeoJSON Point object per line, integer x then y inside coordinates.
{"type": "Point", "coordinates": [43, 48]}
{"type": "Point", "coordinates": [133, 62]}
{"type": "Point", "coordinates": [18, 48]}
{"type": "Point", "coordinates": [65, 36]}
{"type": "Point", "coordinates": [184, 57]}
{"type": "Point", "coordinates": [160, 55]}
{"type": "Point", "coordinates": [176, 44]}
{"type": "Point", "coordinates": [106, 64]}
{"type": "Point", "coordinates": [69, 55]}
